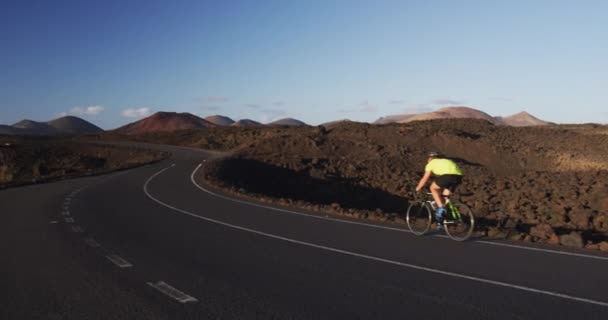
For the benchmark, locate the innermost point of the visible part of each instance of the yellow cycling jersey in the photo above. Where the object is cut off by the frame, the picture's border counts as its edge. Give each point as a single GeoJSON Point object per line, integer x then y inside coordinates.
{"type": "Point", "coordinates": [440, 167]}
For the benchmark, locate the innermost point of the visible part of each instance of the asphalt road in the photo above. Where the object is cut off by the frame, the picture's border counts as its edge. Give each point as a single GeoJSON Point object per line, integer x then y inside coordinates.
{"type": "Point", "coordinates": [155, 243]}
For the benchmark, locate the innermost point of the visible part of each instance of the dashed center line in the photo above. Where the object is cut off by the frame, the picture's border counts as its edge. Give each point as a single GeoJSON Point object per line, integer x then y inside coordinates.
{"type": "Point", "coordinates": [77, 229]}
{"type": "Point", "coordinates": [66, 213]}
{"type": "Point", "coordinates": [69, 220]}
{"type": "Point", "coordinates": [172, 292]}
{"type": "Point", "coordinates": [119, 261]}
{"type": "Point", "coordinates": [92, 243]}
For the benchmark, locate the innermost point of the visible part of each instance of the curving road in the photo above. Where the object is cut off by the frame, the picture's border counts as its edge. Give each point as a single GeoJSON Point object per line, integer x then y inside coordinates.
{"type": "Point", "coordinates": [156, 243]}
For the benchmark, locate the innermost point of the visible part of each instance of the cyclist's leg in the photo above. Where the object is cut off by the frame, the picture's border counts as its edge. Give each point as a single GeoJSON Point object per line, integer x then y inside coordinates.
{"type": "Point", "coordinates": [446, 192]}
{"type": "Point", "coordinates": [436, 191]}
{"type": "Point", "coordinates": [450, 185]}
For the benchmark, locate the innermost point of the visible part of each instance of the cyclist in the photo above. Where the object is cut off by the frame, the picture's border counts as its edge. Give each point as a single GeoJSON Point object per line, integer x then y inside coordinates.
{"type": "Point", "coordinates": [448, 176]}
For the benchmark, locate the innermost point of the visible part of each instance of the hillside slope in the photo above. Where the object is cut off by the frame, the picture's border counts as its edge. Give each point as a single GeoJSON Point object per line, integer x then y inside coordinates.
{"type": "Point", "coordinates": [522, 119]}
{"type": "Point", "coordinates": [165, 121]}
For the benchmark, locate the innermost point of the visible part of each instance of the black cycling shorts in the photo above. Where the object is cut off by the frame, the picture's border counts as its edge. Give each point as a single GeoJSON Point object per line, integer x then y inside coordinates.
{"type": "Point", "coordinates": [448, 181]}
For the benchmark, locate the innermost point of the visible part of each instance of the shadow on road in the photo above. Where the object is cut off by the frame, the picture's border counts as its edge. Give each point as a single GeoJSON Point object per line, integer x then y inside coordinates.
{"type": "Point", "coordinates": [278, 182]}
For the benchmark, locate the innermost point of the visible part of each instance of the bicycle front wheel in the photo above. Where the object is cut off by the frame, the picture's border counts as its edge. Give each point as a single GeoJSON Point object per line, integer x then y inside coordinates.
{"type": "Point", "coordinates": [418, 218]}
{"type": "Point", "coordinates": [460, 225]}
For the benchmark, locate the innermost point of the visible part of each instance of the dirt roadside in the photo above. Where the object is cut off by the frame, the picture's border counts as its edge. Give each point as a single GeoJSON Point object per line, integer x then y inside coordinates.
{"type": "Point", "coordinates": [27, 160]}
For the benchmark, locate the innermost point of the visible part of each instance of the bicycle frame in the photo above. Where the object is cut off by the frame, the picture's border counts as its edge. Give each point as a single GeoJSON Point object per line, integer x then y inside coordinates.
{"type": "Point", "coordinates": [453, 210]}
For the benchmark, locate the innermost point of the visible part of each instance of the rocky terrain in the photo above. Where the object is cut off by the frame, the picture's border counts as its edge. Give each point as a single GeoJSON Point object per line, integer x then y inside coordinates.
{"type": "Point", "coordinates": [543, 184]}
{"type": "Point", "coordinates": [32, 160]}
{"type": "Point", "coordinates": [214, 138]}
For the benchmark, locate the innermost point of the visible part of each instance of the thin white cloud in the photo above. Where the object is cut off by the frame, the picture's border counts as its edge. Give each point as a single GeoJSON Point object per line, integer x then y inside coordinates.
{"type": "Point", "coordinates": [364, 106]}
{"type": "Point", "coordinates": [368, 107]}
{"type": "Point", "coordinates": [136, 112]}
{"type": "Point", "coordinates": [84, 111]}
{"type": "Point", "coordinates": [447, 102]}
{"type": "Point", "coordinates": [212, 99]}
{"type": "Point", "coordinates": [269, 115]}
{"type": "Point", "coordinates": [397, 101]}
{"type": "Point", "coordinates": [211, 108]}
{"type": "Point", "coordinates": [278, 103]}
{"type": "Point", "coordinates": [418, 108]}
{"type": "Point", "coordinates": [503, 99]}
{"type": "Point", "coordinates": [253, 106]}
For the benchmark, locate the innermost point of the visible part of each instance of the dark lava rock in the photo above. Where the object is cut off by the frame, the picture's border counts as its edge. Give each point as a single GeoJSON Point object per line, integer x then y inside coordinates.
{"type": "Point", "coordinates": [542, 231]}
{"type": "Point", "coordinates": [572, 239]}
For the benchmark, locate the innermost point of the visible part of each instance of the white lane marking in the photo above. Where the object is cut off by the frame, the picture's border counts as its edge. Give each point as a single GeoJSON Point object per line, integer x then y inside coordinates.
{"type": "Point", "coordinates": [66, 213]}
{"type": "Point", "coordinates": [69, 220]}
{"type": "Point", "coordinates": [53, 222]}
{"type": "Point", "coordinates": [66, 207]}
{"type": "Point", "coordinates": [172, 292]}
{"type": "Point", "coordinates": [77, 229]}
{"type": "Point", "coordinates": [580, 255]}
{"type": "Point", "coordinates": [119, 261]}
{"type": "Point", "coordinates": [369, 257]}
{"type": "Point", "coordinates": [92, 243]}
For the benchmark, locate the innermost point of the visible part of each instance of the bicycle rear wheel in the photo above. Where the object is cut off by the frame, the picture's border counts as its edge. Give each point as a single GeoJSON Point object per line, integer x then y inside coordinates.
{"type": "Point", "coordinates": [461, 224]}
{"type": "Point", "coordinates": [418, 218]}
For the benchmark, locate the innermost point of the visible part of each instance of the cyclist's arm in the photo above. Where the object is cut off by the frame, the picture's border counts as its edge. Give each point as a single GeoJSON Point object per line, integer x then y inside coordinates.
{"type": "Point", "coordinates": [423, 180]}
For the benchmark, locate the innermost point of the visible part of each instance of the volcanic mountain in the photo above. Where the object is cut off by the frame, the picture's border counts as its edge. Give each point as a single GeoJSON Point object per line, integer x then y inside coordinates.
{"type": "Point", "coordinates": [337, 123]}
{"type": "Point", "coordinates": [35, 127]}
{"type": "Point", "coordinates": [165, 121]}
{"type": "Point", "coordinates": [246, 123]}
{"type": "Point", "coordinates": [219, 120]}
{"type": "Point", "coordinates": [63, 125]}
{"type": "Point", "coordinates": [454, 112]}
{"type": "Point", "coordinates": [74, 125]}
{"type": "Point", "coordinates": [287, 122]}
{"type": "Point", "coordinates": [522, 119]}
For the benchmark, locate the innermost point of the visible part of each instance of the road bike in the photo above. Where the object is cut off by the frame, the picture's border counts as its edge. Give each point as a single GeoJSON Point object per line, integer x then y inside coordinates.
{"type": "Point", "coordinates": [458, 219]}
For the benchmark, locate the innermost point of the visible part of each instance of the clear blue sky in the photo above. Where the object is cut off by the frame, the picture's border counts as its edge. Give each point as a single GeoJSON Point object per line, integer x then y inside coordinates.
{"type": "Point", "coordinates": [313, 60]}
